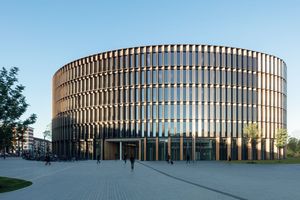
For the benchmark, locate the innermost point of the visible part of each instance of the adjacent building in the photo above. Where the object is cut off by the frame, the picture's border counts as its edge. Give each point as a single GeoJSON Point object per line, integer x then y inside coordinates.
{"type": "Point", "coordinates": [178, 100]}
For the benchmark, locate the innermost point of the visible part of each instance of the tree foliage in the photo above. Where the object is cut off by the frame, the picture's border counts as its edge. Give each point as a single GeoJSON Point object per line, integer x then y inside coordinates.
{"type": "Point", "coordinates": [293, 147]}
{"type": "Point", "coordinates": [251, 132]}
{"type": "Point", "coordinates": [12, 106]}
{"type": "Point", "coordinates": [281, 137]}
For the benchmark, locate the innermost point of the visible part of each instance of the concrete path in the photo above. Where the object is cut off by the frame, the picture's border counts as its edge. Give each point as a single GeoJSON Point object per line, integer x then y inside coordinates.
{"type": "Point", "coordinates": [151, 180]}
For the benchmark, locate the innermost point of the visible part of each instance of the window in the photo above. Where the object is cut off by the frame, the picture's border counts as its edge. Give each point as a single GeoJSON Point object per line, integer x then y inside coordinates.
{"type": "Point", "coordinates": [160, 59]}
{"type": "Point", "coordinates": [136, 60]}
{"type": "Point", "coordinates": [142, 60]}
{"type": "Point", "coordinates": [131, 61]}
{"type": "Point", "coordinates": [172, 58]}
{"type": "Point", "coordinates": [148, 94]}
{"type": "Point", "coordinates": [178, 112]}
{"type": "Point", "coordinates": [172, 94]}
{"type": "Point", "coordinates": [143, 77]}
{"type": "Point", "coordinates": [172, 111]}
{"type": "Point", "coordinates": [178, 76]}
{"type": "Point", "coordinates": [160, 94]}
{"type": "Point", "coordinates": [148, 77]}
{"type": "Point", "coordinates": [166, 58]}
{"type": "Point", "coordinates": [166, 111]}
{"type": "Point", "coordinates": [184, 58]}
{"type": "Point", "coordinates": [154, 77]}
{"type": "Point", "coordinates": [190, 58]}
{"type": "Point", "coordinates": [184, 76]}
{"type": "Point", "coordinates": [137, 97]}
{"type": "Point", "coordinates": [160, 76]}
{"type": "Point", "coordinates": [172, 76]}
{"type": "Point", "coordinates": [154, 94]}
{"type": "Point", "coordinates": [148, 58]}
{"type": "Point", "coordinates": [143, 95]}
{"type": "Point", "coordinates": [166, 94]}
{"type": "Point", "coordinates": [166, 79]}
{"type": "Point", "coordinates": [160, 111]}
{"type": "Point", "coordinates": [154, 111]}
{"type": "Point", "coordinates": [178, 94]}
{"type": "Point", "coordinates": [178, 58]}
{"type": "Point", "coordinates": [191, 76]}
{"type": "Point", "coordinates": [154, 63]}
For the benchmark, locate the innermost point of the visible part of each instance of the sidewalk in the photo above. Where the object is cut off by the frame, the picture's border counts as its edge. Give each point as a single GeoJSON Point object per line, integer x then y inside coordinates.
{"type": "Point", "coordinates": [151, 180]}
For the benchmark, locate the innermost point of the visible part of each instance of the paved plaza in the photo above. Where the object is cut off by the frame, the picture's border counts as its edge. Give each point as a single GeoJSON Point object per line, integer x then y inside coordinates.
{"type": "Point", "coordinates": [85, 180]}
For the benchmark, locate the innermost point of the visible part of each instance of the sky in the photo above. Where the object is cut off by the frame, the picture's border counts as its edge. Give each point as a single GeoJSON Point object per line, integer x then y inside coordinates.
{"type": "Point", "coordinates": [39, 37]}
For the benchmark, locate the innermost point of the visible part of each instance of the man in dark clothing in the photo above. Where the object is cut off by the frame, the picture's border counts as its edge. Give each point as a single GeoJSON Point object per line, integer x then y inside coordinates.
{"type": "Point", "coordinates": [132, 162]}
{"type": "Point", "coordinates": [188, 158]}
{"type": "Point", "coordinates": [125, 158]}
{"type": "Point", "coordinates": [47, 159]}
{"type": "Point", "coordinates": [98, 159]}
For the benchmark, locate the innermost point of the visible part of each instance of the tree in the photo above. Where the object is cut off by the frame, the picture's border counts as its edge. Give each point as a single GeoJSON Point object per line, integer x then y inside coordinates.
{"type": "Point", "coordinates": [281, 139]}
{"type": "Point", "coordinates": [46, 134]}
{"type": "Point", "coordinates": [292, 146]}
{"type": "Point", "coordinates": [12, 106]}
{"type": "Point", "coordinates": [251, 134]}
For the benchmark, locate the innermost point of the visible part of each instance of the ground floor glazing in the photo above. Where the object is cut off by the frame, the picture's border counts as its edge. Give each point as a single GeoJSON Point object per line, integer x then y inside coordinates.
{"type": "Point", "coordinates": [179, 148]}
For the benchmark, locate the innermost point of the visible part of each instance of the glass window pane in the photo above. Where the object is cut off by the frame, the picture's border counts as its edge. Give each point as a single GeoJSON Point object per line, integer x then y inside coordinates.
{"type": "Point", "coordinates": [184, 58]}
{"type": "Point", "coordinates": [178, 58]}
{"type": "Point", "coordinates": [154, 94]}
{"type": "Point", "coordinates": [148, 59]}
{"type": "Point", "coordinates": [160, 59]}
{"type": "Point", "coordinates": [143, 77]}
{"type": "Point", "coordinates": [166, 79]}
{"type": "Point", "coordinates": [160, 76]}
{"type": "Point", "coordinates": [166, 111]}
{"type": "Point", "coordinates": [154, 63]}
{"type": "Point", "coordinates": [172, 58]}
{"type": "Point", "coordinates": [166, 58]}
{"type": "Point", "coordinates": [160, 94]}
{"type": "Point", "coordinates": [166, 94]}
{"type": "Point", "coordinates": [143, 60]}
{"type": "Point", "coordinates": [190, 58]}
{"type": "Point", "coordinates": [148, 77]}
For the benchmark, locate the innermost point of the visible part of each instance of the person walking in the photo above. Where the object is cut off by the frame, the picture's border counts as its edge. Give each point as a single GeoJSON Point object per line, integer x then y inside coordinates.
{"type": "Point", "coordinates": [98, 159]}
{"type": "Point", "coordinates": [188, 158]}
{"type": "Point", "coordinates": [125, 157]}
{"type": "Point", "coordinates": [47, 159]}
{"type": "Point", "coordinates": [229, 158]}
{"type": "Point", "coordinates": [132, 162]}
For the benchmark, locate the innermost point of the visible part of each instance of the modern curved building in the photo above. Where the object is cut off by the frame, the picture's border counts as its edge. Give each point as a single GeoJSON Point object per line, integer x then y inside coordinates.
{"type": "Point", "coordinates": [182, 100]}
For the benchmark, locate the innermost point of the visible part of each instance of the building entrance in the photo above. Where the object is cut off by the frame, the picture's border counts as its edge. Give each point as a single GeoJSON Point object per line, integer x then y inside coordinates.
{"type": "Point", "coordinates": [116, 149]}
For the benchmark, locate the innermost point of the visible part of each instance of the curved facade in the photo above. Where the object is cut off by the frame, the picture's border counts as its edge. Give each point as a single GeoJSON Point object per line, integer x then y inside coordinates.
{"type": "Point", "coordinates": [181, 100]}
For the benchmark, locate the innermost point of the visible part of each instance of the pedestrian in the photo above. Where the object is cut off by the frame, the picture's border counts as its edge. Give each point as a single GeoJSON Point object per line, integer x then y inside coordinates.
{"type": "Point", "coordinates": [229, 158]}
{"type": "Point", "coordinates": [98, 159]}
{"type": "Point", "coordinates": [132, 162]}
{"type": "Point", "coordinates": [125, 157]}
{"type": "Point", "coordinates": [47, 159]}
{"type": "Point", "coordinates": [169, 158]}
{"type": "Point", "coordinates": [188, 158]}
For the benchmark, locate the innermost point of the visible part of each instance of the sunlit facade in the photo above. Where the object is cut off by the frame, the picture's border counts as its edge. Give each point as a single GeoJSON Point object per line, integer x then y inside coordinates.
{"type": "Point", "coordinates": [181, 100]}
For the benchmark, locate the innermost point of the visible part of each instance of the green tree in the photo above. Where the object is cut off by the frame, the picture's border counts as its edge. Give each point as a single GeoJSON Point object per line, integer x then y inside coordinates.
{"type": "Point", "coordinates": [281, 139]}
{"type": "Point", "coordinates": [292, 146]}
{"type": "Point", "coordinates": [251, 134]}
{"type": "Point", "coordinates": [12, 106]}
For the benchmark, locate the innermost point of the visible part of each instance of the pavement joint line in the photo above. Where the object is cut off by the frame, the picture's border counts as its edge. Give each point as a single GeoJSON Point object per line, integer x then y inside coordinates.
{"type": "Point", "coordinates": [195, 184]}
{"type": "Point", "coordinates": [49, 174]}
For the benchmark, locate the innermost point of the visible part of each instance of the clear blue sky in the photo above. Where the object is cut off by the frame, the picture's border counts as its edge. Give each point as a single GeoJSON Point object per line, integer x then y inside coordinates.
{"type": "Point", "coordinates": [41, 36]}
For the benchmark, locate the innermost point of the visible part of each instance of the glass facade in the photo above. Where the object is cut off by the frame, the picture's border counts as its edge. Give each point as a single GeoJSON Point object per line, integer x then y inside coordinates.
{"type": "Point", "coordinates": [194, 92]}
